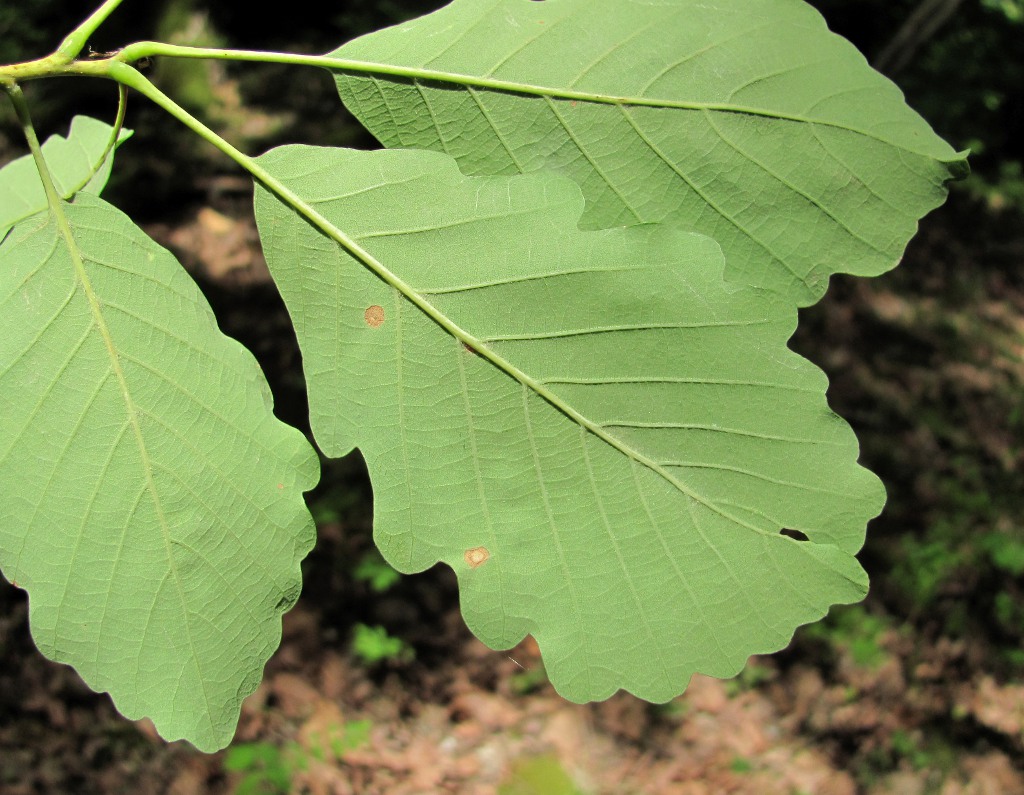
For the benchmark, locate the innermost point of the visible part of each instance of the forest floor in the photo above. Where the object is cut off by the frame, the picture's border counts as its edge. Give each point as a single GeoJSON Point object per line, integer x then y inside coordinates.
{"type": "Point", "coordinates": [918, 690]}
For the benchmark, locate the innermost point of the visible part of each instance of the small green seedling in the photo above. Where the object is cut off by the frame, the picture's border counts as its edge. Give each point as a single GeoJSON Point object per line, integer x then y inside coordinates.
{"type": "Point", "coordinates": [373, 645]}
{"type": "Point", "coordinates": [376, 572]}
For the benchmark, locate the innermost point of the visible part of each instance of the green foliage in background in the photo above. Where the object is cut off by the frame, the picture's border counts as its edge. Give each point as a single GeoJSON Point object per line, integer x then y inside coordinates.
{"type": "Point", "coordinates": [539, 775]}
{"type": "Point", "coordinates": [263, 769]}
{"type": "Point", "coordinates": [375, 571]}
{"type": "Point", "coordinates": [373, 645]}
{"type": "Point", "coordinates": [558, 339]}
{"type": "Point", "coordinates": [268, 769]}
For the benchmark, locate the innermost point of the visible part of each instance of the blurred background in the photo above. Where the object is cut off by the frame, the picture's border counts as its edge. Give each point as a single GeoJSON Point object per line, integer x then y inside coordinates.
{"type": "Point", "coordinates": [379, 688]}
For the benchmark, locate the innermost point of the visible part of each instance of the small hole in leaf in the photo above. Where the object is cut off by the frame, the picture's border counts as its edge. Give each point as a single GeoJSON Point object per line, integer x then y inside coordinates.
{"type": "Point", "coordinates": [476, 557]}
{"type": "Point", "coordinates": [374, 316]}
{"type": "Point", "coordinates": [796, 535]}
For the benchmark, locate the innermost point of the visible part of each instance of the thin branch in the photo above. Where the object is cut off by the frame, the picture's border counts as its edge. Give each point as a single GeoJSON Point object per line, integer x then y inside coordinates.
{"type": "Point", "coordinates": [76, 40]}
{"type": "Point", "coordinates": [918, 28]}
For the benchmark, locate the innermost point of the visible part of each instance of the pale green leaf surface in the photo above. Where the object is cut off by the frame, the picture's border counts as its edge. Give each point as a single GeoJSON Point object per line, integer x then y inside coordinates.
{"type": "Point", "coordinates": [152, 504]}
{"type": "Point", "coordinates": [76, 164]}
{"type": "Point", "coordinates": [625, 434]}
{"type": "Point", "coordinates": [746, 120]}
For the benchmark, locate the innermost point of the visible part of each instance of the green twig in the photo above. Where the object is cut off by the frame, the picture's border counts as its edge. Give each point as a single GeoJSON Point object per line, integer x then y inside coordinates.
{"type": "Point", "coordinates": [79, 37]}
{"type": "Point", "coordinates": [62, 60]}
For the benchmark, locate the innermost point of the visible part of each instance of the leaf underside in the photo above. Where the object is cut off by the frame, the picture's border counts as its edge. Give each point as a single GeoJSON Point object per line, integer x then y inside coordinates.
{"type": "Point", "coordinates": [76, 164]}
{"type": "Point", "coordinates": [600, 436]}
{"type": "Point", "coordinates": [152, 504]}
{"type": "Point", "coordinates": [746, 120]}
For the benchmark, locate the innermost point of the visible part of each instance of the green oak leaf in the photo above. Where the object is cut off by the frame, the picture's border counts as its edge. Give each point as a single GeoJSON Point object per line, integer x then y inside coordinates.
{"type": "Point", "coordinates": [80, 162]}
{"type": "Point", "coordinates": [597, 433]}
{"type": "Point", "coordinates": [152, 504]}
{"type": "Point", "coordinates": [746, 120]}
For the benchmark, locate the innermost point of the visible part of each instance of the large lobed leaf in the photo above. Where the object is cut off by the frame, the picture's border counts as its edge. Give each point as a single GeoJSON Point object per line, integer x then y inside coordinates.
{"type": "Point", "coordinates": [152, 504]}
{"type": "Point", "coordinates": [598, 435]}
{"type": "Point", "coordinates": [80, 162]}
{"type": "Point", "coordinates": [746, 120]}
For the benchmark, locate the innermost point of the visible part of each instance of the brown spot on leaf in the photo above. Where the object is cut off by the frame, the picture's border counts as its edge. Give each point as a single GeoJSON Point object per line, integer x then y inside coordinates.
{"type": "Point", "coordinates": [476, 557]}
{"type": "Point", "coordinates": [374, 316]}
{"type": "Point", "coordinates": [469, 348]}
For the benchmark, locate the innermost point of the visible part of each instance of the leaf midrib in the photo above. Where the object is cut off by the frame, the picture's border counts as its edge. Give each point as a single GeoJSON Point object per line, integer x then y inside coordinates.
{"type": "Point", "coordinates": [95, 308]}
{"type": "Point", "coordinates": [357, 67]}
{"type": "Point", "coordinates": [625, 101]}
